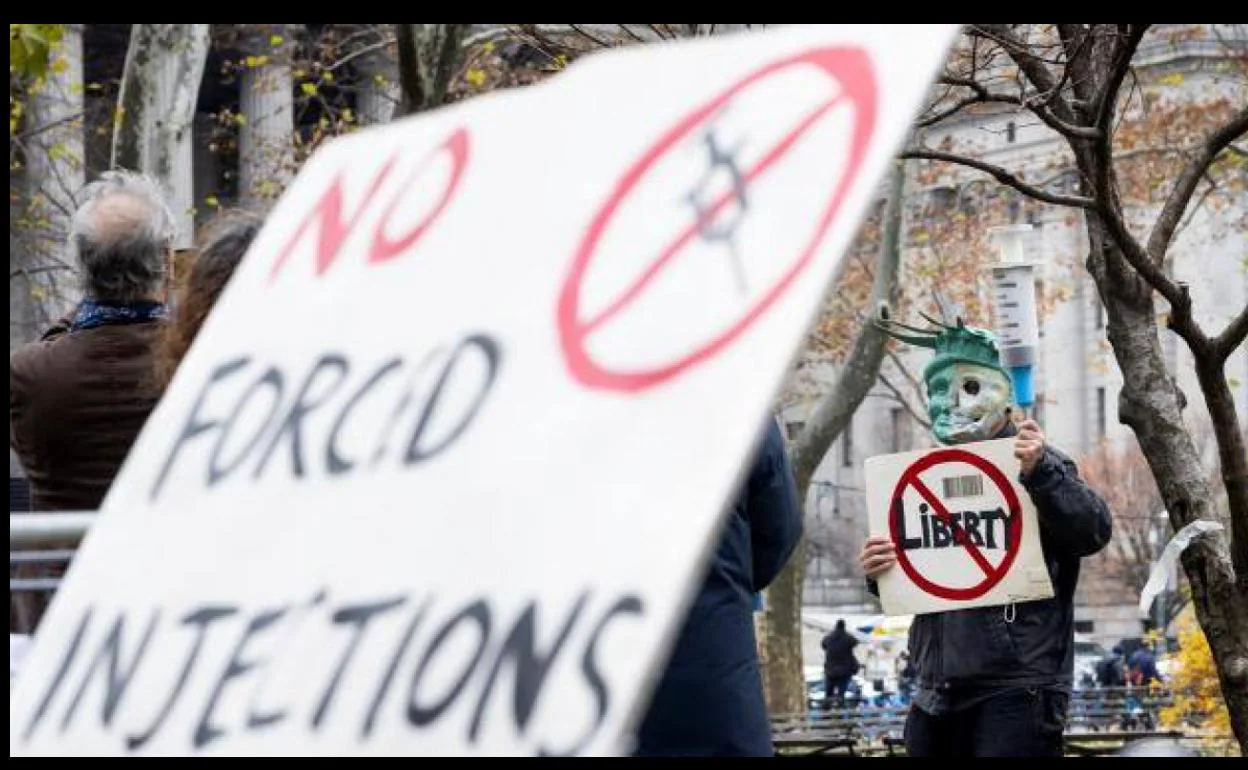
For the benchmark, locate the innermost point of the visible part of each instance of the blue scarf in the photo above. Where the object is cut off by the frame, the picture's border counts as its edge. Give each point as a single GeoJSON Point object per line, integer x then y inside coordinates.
{"type": "Point", "coordinates": [92, 313]}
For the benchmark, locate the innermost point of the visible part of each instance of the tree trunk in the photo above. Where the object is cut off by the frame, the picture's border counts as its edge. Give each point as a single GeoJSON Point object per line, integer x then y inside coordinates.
{"type": "Point", "coordinates": [784, 680]}
{"type": "Point", "coordinates": [43, 282]}
{"type": "Point", "coordinates": [156, 111]}
{"type": "Point", "coordinates": [1150, 404]}
{"type": "Point", "coordinates": [428, 56]}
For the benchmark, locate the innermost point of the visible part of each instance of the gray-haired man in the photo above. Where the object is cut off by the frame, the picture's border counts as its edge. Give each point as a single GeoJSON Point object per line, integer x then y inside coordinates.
{"type": "Point", "coordinates": [79, 395]}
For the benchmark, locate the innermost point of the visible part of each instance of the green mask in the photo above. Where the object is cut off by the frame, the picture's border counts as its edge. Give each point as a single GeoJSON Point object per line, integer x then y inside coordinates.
{"type": "Point", "coordinates": [968, 392]}
{"type": "Point", "coordinates": [967, 402]}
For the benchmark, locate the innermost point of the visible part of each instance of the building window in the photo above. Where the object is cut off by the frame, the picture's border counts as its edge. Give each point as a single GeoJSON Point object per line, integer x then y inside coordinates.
{"type": "Point", "coordinates": [847, 445]}
{"type": "Point", "coordinates": [1084, 626]}
{"type": "Point", "coordinates": [944, 199]}
{"type": "Point", "coordinates": [1011, 132]}
{"type": "Point", "coordinates": [1100, 413]}
{"type": "Point", "coordinates": [901, 438]}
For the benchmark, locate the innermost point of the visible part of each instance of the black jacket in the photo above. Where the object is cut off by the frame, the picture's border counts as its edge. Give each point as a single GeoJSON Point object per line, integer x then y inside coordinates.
{"type": "Point", "coordinates": [959, 653]}
{"type": "Point", "coordinates": [709, 701]}
{"type": "Point", "coordinates": [838, 654]}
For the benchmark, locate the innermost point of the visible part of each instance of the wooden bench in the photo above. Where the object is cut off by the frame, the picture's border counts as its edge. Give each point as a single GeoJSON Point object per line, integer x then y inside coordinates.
{"type": "Point", "coordinates": [1097, 744]}
{"type": "Point", "coordinates": [813, 744]}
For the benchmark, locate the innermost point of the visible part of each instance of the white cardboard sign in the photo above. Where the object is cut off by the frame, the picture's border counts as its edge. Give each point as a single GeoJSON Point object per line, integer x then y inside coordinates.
{"type": "Point", "coordinates": [964, 529]}
{"type": "Point", "coordinates": [441, 473]}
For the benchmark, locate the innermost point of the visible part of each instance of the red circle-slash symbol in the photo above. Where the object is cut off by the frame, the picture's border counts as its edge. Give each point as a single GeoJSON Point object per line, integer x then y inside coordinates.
{"type": "Point", "coordinates": [992, 575]}
{"type": "Point", "coordinates": [850, 68]}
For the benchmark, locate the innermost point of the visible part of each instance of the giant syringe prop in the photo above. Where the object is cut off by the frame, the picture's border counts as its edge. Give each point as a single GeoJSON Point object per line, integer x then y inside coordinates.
{"type": "Point", "coordinates": [1014, 298]}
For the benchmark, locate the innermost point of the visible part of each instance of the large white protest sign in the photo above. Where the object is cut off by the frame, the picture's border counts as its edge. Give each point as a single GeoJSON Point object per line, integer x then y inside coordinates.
{"type": "Point", "coordinates": [442, 471]}
{"type": "Point", "coordinates": [964, 529]}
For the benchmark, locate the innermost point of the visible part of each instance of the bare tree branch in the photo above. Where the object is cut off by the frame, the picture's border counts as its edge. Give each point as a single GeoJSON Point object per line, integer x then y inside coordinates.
{"type": "Point", "coordinates": [1033, 67]}
{"type": "Point", "coordinates": [901, 399]}
{"type": "Point", "coordinates": [656, 31]}
{"type": "Point", "coordinates": [1002, 35]}
{"type": "Point", "coordinates": [27, 271]}
{"type": "Point", "coordinates": [1230, 339]}
{"type": "Point", "coordinates": [364, 51]}
{"type": "Point", "coordinates": [631, 33]}
{"type": "Point", "coordinates": [1118, 72]}
{"type": "Point", "coordinates": [1036, 103]}
{"type": "Point", "coordinates": [1002, 176]}
{"type": "Point", "coordinates": [915, 385]}
{"type": "Point", "coordinates": [1110, 212]}
{"type": "Point", "coordinates": [577, 29]}
{"type": "Point", "coordinates": [48, 126]}
{"type": "Point", "coordinates": [1185, 185]}
{"type": "Point", "coordinates": [1210, 188]}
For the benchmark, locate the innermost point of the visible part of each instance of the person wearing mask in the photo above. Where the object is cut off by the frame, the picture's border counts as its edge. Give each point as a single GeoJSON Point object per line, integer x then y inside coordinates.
{"type": "Point", "coordinates": [996, 681]}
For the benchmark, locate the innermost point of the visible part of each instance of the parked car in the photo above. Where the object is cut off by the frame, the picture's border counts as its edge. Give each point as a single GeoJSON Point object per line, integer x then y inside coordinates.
{"type": "Point", "coordinates": [1087, 654]}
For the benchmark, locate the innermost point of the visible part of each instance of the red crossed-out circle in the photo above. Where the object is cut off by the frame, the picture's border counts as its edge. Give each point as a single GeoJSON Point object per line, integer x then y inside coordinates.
{"type": "Point", "coordinates": [846, 66]}
{"type": "Point", "coordinates": [992, 575]}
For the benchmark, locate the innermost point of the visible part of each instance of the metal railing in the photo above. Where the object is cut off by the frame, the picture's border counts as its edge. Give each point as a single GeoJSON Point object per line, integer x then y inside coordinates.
{"type": "Point", "coordinates": [62, 527]}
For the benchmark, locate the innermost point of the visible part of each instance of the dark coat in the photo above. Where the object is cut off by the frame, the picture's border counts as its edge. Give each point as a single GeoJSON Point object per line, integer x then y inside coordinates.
{"type": "Point", "coordinates": [977, 649]}
{"type": "Point", "coordinates": [838, 654]}
{"type": "Point", "coordinates": [77, 401]}
{"type": "Point", "coordinates": [709, 701]}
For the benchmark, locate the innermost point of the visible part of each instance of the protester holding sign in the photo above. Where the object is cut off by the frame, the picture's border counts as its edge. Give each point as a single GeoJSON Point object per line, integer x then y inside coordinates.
{"type": "Point", "coordinates": [377, 560]}
{"type": "Point", "coordinates": [995, 681]}
{"type": "Point", "coordinates": [710, 699]}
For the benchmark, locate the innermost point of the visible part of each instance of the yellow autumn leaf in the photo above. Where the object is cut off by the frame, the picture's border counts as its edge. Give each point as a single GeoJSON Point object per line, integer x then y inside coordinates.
{"type": "Point", "coordinates": [327, 76]}
{"type": "Point", "coordinates": [212, 201]}
{"type": "Point", "coordinates": [1173, 79]}
{"type": "Point", "coordinates": [475, 76]}
{"type": "Point", "coordinates": [240, 119]}
{"type": "Point", "coordinates": [60, 65]}
{"type": "Point", "coordinates": [275, 40]}
{"type": "Point", "coordinates": [250, 61]}
{"type": "Point", "coordinates": [308, 88]}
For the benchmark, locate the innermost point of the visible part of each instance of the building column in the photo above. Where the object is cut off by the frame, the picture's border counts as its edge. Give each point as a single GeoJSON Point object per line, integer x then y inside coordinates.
{"type": "Point", "coordinates": [378, 93]}
{"type": "Point", "coordinates": [266, 148]}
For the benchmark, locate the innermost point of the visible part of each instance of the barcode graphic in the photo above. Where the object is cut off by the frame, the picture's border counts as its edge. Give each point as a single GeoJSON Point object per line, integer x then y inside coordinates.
{"type": "Point", "coordinates": [963, 486]}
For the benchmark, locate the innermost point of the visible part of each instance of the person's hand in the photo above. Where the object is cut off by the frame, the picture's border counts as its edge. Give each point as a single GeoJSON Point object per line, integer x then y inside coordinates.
{"type": "Point", "coordinates": [1029, 445]}
{"type": "Point", "coordinates": [877, 556]}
